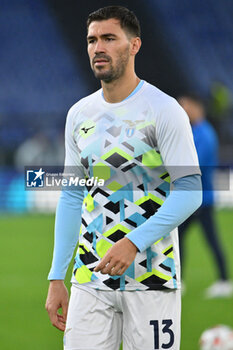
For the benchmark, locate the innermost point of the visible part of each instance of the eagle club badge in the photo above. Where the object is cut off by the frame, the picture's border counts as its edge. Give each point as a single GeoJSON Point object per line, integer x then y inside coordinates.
{"type": "Point", "coordinates": [132, 126]}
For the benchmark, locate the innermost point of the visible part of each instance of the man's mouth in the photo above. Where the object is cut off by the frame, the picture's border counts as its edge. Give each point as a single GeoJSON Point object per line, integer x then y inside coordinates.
{"type": "Point", "coordinates": [100, 61]}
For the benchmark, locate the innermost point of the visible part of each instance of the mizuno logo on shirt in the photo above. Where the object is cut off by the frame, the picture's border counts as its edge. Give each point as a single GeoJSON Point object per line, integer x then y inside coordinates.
{"type": "Point", "coordinates": [87, 129]}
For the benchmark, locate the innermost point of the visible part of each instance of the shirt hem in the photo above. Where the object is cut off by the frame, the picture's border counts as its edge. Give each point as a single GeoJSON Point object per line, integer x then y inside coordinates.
{"type": "Point", "coordinates": [90, 286]}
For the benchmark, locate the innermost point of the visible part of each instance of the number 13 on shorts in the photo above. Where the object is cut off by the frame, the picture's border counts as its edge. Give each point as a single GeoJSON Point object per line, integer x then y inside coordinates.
{"type": "Point", "coordinates": [166, 341]}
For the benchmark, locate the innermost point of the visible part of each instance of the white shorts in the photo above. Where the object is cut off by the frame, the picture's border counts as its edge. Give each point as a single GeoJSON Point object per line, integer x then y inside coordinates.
{"type": "Point", "coordinates": [144, 320]}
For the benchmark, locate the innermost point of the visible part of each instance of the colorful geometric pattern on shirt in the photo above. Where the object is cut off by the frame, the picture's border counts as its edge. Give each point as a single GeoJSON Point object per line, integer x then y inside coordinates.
{"type": "Point", "coordinates": [124, 153]}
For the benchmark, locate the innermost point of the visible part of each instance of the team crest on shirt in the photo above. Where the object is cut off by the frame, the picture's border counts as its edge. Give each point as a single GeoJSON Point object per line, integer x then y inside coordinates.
{"type": "Point", "coordinates": [132, 126]}
{"type": "Point", "coordinates": [130, 132]}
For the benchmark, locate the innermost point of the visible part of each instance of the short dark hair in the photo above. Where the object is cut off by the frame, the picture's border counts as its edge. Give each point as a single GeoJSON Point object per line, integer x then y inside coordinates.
{"type": "Point", "coordinates": [127, 18]}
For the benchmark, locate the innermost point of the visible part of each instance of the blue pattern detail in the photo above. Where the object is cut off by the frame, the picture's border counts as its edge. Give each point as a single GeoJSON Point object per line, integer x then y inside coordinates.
{"type": "Point", "coordinates": [121, 136]}
{"type": "Point", "coordinates": [90, 164]}
{"type": "Point", "coordinates": [165, 186]}
{"type": "Point", "coordinates": [169, 262]}
{"type": "Point", "coordinates": [125, 192]}
{"type": "Point", "coordinates": [93, 148]}
{"type": "Point", "coordinates": [94, 240]}
{"type": "Point", "coordinates": [77, 263]}
{"type": "Point", "coordinates": [129, 272]}
{"type": "Point", "coordinates": [96, 224]}
{"type": "Point", "coordinates": [112, 172]}
{"type": "Point", "coordinates": [137, 218]}
{"type": "Point", "coordinates": [93, 277]}
{"type": "Point", "coordinates": [137, 171]}
{"type": "Point", "coordinates": [139, 146]}
{"type": "Point", "coordinates": [135, 90]}
{"type": "Point", "coordinates": [146, 178]}
{"type": "Point", "coordinates": [150, 255]}
{"type": "Point", "coordinates": [138, 87]}
{"type": "Point", "coordinates": [122, 282]}
{"type": "Point", "coordinates": [122, 210]}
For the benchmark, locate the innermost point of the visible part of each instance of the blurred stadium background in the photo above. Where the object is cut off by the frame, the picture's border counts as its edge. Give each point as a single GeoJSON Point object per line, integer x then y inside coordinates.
{"type": "Point", "coordinates": [187, 45]}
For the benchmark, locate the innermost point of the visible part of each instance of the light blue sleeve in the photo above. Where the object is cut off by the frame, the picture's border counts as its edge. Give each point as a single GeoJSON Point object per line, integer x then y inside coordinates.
{"type": "Point", "coordinates": [185, 198]}
{"type": "Point", "coordinates": [66, 233]}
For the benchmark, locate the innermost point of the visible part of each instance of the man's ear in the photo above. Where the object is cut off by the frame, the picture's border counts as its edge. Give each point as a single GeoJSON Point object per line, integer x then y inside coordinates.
{"type": "Point", "coordinates": [135, 45]}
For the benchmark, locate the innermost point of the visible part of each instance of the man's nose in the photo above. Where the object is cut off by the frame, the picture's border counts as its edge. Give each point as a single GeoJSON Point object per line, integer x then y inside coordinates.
{"type": "Point", "coordinates": [99, 46]}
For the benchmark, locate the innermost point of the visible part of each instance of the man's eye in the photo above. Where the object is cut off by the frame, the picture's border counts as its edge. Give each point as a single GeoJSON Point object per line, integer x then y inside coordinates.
{"type": "Point", "coordinates": [109, 39]}
{"type": "Point", "coordinates": [91, 41]}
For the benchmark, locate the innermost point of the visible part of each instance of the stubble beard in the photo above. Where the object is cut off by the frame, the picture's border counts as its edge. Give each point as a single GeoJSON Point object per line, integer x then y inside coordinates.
{"type": "Point", "coordinates": [113, 73]}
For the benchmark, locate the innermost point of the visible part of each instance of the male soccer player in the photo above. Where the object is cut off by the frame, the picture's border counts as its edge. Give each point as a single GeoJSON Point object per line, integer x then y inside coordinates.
{"type": "Point", "coordinates": [126, 279]}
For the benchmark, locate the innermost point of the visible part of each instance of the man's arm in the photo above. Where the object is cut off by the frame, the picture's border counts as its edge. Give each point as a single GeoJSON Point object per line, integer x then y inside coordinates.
{"type": "Point", "coordinates": [66, 233]}
{"type": "Point", "coordinates": [176, 146]}
{"type": "Point", "coordinates": [58, 297]}
{"type": "Point", "coordinates": [67, 225]}
{"type": "Point", "coordinates": [185, 198]}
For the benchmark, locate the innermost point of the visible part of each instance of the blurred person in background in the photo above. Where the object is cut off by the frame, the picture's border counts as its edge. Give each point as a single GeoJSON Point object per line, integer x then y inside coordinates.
{"type": "Point", "coordinates": [45, 148]}
{"type": "Point", "coordinates": [206, 142]}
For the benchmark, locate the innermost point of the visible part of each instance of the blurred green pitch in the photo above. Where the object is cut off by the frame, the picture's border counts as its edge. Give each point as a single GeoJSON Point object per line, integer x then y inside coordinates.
{"type": "Point", "coordinates": [26, 251]}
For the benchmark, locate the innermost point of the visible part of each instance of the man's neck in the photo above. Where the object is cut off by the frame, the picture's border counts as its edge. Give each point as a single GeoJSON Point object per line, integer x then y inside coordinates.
{"type": "Point", "coordinates": [119, 89]}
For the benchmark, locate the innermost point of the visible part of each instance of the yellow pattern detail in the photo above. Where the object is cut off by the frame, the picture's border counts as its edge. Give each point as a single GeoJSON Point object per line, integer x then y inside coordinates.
{"type": "Point", "coordinates": [166, 249]}
{"type": "Point", "coordinates": [81, 246]}
{"type": "Point", "coordinates": [158, 241]}
{"type": "Point", "coordinates": [114, 186]}
{"type": "Point", "coordinates": [81, 251]}
{"type": "Point", "coordinates": [170, 255]}
{"type": "Point", "coordinates": [150, 196]}
{"type": "Point", "coordinates": [101, 171]}
{"type": "Point", "coordinates": [115, 228]}
{"type": "Point", "coordinates": [143, 125]}
{"type": "Point", "coordinates": [154, 272]}
{"type": "Point", "coordinates": [152, 159]}
{"type": "Point", "coordinates": [89, 202]}
{"type": "Point", "coordinates": [119, 151]}
{"type": "Point", "coordinates": [102, 247]}
{"type": "Point", "coordinates": [83, 274]}
{"type": "Point", "coordinates": [167, 178]}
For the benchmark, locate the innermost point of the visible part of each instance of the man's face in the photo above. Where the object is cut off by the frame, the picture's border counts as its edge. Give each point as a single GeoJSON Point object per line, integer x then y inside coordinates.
{"type": "Point", "coordinates": [108, 49]}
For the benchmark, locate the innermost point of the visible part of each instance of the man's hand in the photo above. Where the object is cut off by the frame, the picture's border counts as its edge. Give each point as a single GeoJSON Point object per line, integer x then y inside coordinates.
{"type": "Point", "coordinates": [118, 258]}
{"type": "Point", "coordinates": [57, 298]}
